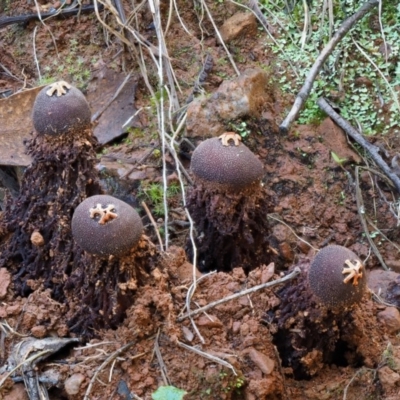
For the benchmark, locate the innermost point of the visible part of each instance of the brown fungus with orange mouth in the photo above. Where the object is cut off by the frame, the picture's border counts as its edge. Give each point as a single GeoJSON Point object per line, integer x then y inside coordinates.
{"type": "Point", "coordinates": [228, 204]}
{"type": "Point", "coordinates": [117, 256]}
{"type": "Point", "coordinates": [324, 315]}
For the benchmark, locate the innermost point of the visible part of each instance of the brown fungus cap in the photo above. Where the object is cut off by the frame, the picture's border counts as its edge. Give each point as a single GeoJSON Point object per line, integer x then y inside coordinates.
{"type": "Point", "coordinates": [60, 108]}
{"type": "Point", "coordinates": [225, 160]}
{"type": "Point", "coordinates": [103, 225]}
{"type": "Point", "coordinates": [337, 277]}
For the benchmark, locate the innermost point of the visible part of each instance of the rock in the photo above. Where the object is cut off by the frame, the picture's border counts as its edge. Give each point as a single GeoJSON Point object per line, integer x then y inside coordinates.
{"type": "Point", "coordinates": [236, 326]}
{"type": "Point", "coordinates": [262, 361]}
{"type": "Point", "coordinates": [239, 25]}
{"type": "Point", "coordinates": [39, 331]}
{"type": "Point", "coordinates": [187, 333]}
{"type": "Point", "coordinates": [388, 378]}
{"type": "Point", "coordinates": [209, 321]}
{"type": "Point", "coordinates": [267, 272]}
{"type": "Point", "coordinates": [335, 139]}
{"type": "Point", "coordinates": [37, 239]}
{"type": "Point", "coordinates": [5, 280]}
{"type": "Point", "coordinates": [245, 96]}
{"type": "Point", "coordinates": [390, 317]}
{"type": "Point", "coordinates": [73, 384]}
{"type": "Point", "coordinates": [379, 280]}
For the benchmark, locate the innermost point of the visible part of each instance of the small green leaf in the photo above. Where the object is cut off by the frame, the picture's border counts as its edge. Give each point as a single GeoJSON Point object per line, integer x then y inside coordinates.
{"type": "Point", "coordinates": [337, 159]}
{"type": "Point", "coordinates": [168, 393]}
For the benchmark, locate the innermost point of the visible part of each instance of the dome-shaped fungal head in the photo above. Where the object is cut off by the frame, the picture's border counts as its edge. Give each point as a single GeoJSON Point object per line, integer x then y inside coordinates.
{"type": "Point", "coordinates": [60, 108]}
{"type": "Point", "coordinates": [103, 225]}
{"type": "Point", "coordinates": [226, 161]}
{"type": "Point", "coordinates": [337, 277]}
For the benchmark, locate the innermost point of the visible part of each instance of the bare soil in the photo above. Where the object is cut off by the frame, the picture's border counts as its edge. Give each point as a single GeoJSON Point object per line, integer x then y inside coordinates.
{"type": "Point", "coordinates": [278, 342]}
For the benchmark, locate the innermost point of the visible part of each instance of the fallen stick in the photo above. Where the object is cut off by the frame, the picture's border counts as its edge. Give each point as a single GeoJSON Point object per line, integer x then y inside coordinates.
{"type": "Point", "coordinates": [354, 134]}
{"type": "Point", "coordinates": [18, 19]}
{"type": "Point", "coordinates": [286, 278]}
{"type": "Point", "coordinates": [319, 62]}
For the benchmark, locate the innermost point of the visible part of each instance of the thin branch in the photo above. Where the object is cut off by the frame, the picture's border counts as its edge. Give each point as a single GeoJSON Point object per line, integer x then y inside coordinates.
{"type": "Point", "coordinates": [208, 356]}
{"type": "Point", "coordinates": [294, 233]}
{"type": "Point", "coordinates": [220, 38]}
{"type": "Point", "coordinates": [161, 363]}
{"type": "Point", "coordinates": [319, 62]}
{"type": "Point", "coordinates": [35, 54]}
{"type": "Point", "coordinates": [286, 278]}
{"type": "Point", "coordinates": [98, 113]}
{"type": "Point", "coordinates": [110, 358]}
{"type": "Point", "coordinates": [354, 134]}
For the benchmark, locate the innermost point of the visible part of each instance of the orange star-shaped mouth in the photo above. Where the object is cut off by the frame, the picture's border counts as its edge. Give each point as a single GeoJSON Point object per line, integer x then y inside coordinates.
{"type": "Point", "coordinates": [58, 87]}
{"type": "Point", "coordinates": [105, 214]}
{"type": "Point", "coordinates": [354, 270]}
{"type": "Point", "coordinates": [227, 136]}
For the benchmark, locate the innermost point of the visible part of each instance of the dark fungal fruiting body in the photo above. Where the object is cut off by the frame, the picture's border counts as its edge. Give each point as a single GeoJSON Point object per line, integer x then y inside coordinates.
{"type": "Point", "coordinates": [60, 108]}
{"type": "Point", "coordinates": [337, 277]}
{"type": "Point", "coordinates": [311, 331]}
{"type": "Point", "coordinates": [103, 225]}
{"type": "Point", "coordinates": [228, 205]}
{"type": "Point", "coordinates": [225, 161]}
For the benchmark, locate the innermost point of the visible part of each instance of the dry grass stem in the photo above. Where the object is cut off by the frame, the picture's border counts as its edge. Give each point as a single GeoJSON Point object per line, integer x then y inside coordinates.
{"type": "Point", "coordinates": [160, 360]}
{"type": "Point", "coordinates": [208, 356]}
{"type": "Point", "coordinates": [153, 222]}
{"type": "Point", "coordinates": [26, 361]}
{"type": "Point", "coordinates": [245, 292]}
{"type": "Point", "coordinates": [110, 358]}
{"type": "Point", "coordinates": [294, 233]}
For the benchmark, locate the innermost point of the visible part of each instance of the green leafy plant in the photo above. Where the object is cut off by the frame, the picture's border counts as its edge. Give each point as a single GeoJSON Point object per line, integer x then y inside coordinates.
{"type": "Point", "coordinates": [360, 76]}
{"type": "Point", "coordinates": [240, 128]}
{"type": "Point", "coordinates": [154, 194]}
{"type": "Point", "coordinates": [168, 393]}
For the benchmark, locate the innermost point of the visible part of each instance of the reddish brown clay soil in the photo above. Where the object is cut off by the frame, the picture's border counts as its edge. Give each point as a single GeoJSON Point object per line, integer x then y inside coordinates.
{"type": "Point", "coordinates": [275, 343]}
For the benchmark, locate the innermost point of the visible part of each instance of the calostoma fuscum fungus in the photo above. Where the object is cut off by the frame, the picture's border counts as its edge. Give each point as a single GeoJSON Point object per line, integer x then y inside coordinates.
{"type": "Point", "coordinates": [228, 204]}
{"type": "Point", "coordinates": [323, 314]}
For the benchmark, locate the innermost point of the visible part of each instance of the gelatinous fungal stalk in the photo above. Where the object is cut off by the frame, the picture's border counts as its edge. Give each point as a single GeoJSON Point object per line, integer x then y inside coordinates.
{"type": "Point", "coordinates": [228, 204]}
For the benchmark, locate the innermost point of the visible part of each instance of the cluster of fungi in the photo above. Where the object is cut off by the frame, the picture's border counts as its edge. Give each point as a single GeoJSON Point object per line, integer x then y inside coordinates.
{"type": "Point", "coordinates": [61, 232]}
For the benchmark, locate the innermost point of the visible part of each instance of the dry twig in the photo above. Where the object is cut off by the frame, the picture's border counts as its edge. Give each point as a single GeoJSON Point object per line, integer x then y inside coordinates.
{"type": "Point", "coordinates": [160, 360]}
{"type": "Point", "coordinates": [153, 222]}
{"type": "Point", "coordinates": [286, 278]}
{"type": "Point", "coordinates": [110, 358]}
{"type": "Point", "coordinates": [207, 355]}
